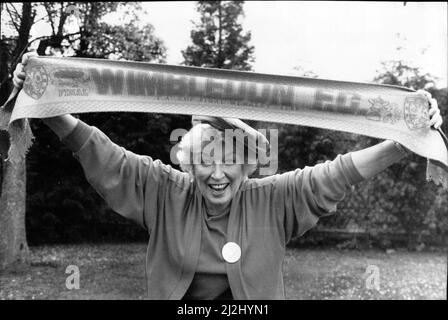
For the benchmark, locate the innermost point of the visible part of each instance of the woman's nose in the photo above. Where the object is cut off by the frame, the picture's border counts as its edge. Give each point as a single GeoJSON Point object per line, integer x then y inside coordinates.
{"type": "Point", "coordinates": [218, 172]}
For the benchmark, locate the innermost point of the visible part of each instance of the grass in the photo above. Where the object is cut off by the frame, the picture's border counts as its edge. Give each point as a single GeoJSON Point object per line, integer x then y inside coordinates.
{"type": "Point", "coordinates": [116, 271]}
{"type": "Point", "coordinates": [333, 274]}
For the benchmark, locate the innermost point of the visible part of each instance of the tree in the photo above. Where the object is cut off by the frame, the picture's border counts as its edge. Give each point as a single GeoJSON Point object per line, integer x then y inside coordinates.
{"type": "Point", "coordinates": [218, 39]}
{"type": "Point", "coordinates": [401, 73]}
{"type": "Point", "coordinates": [92, 37]}
{"type": "Point", "coordinates": [13, 244]}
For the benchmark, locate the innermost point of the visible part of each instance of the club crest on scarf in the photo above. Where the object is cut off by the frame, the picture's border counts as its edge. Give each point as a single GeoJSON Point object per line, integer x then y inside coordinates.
{"type": "Point", "coordinates": [416, 113]}
{"type": "Point", "coordinates": [382, 110]}
{"type": "Point", "coordinates": [36, 81]}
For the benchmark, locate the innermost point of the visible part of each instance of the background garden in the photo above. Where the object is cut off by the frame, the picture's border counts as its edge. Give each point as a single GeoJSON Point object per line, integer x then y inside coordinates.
{"type": "Point", "coordinates": [396, 220]}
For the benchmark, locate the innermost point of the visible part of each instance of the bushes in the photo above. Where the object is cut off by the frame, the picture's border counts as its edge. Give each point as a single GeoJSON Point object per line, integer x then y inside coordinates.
{"type": "Point", "coordinates": [61, 206]}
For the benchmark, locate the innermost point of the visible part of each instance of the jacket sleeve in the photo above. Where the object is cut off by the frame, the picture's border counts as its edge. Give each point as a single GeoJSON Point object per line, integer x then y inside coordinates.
{"type": "Point", "coordinates": [119, 176]}
{"type": "Point", "coordinates": [310, 193]}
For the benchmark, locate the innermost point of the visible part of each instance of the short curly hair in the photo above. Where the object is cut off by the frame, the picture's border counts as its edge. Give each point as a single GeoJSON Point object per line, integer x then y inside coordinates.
{"type": "Point", "coordinates": [191, 146]}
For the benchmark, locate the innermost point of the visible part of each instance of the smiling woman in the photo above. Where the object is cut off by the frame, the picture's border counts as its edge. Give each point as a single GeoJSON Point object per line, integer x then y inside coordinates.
{"type": "Point", "coordinates": [215, 233]}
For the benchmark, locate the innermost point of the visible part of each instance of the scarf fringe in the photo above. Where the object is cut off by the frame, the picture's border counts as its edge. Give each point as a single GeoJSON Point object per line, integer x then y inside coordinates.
{"type": "Point", "coordinates": [20, 136]}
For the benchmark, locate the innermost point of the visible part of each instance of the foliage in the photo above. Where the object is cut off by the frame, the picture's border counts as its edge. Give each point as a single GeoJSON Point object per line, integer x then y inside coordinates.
{"type": "Point", "coordinates": [401, 73]}
{"type": "Point", "coordinates": [218, 40]}
{"type": "Point", "coordinates": [126, 42]}
{"type": "Point", "coordinates": [88, 34]}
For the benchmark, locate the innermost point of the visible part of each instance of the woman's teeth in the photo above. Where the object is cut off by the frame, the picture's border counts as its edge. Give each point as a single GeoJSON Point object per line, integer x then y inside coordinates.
{"type": "Point", "coordinates": [218, 187]}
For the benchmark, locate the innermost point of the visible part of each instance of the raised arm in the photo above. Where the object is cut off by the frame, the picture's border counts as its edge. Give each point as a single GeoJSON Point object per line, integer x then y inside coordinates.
{"type": "Point", "coordinates": [61, 125]}
{"type": "Point", "coordinates": [373, 160]}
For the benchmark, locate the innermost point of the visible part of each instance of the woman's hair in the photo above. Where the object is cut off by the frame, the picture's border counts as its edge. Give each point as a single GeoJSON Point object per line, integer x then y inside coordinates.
{"type": "Point", "coordinates": [191, 146]}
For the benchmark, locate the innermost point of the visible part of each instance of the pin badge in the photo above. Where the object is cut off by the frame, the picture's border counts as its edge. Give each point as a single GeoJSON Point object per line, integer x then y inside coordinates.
{"type": "Point", "coordinates": [231, 252]}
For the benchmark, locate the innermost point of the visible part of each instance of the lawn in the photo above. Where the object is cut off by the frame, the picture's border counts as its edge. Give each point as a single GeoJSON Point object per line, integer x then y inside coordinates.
{"type": "Point", "coordinates": [116, 271]}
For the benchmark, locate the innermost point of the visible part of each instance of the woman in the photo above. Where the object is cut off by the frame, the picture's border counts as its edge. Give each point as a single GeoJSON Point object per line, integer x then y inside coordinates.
{"type": "Point", "coordinates": [215, 233]}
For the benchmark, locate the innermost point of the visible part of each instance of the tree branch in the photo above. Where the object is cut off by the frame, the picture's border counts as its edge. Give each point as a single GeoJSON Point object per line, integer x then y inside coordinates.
{"type": "Point", "coordinates": [73, 40]}
{"type": "Point", "coordinates": [17, 13]}
{"type": "Point", "coordinates": [24, 30]}
{"type": "Point", "coordinates": [63, 17]}
{"type": "Point", "coordinates": [50, 17]}
{"type": "Point", "coordinates": [52, 41]}
{"type": "Point", "coordinates": [12, 19]}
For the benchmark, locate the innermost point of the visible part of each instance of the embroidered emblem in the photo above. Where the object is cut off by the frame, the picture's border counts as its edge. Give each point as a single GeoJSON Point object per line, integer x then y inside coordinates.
{"type": "Point", "coordinates": [416, 113]}
{"type": "Point", "coordinates": [381, 110]}
{"type": "Point", "coordinates": [36, 81]}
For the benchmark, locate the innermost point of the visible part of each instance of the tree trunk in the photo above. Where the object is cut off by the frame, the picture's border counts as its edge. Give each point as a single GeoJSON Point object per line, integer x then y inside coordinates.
{"type": "Point", "coordinates": [24, 30]}
{"type": "Point", "coordinates": [13, 246]}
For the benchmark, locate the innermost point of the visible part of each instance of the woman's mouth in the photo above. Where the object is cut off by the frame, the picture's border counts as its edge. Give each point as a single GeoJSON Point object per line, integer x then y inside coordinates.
{"type": "Point", "coordinates": [218, 188]}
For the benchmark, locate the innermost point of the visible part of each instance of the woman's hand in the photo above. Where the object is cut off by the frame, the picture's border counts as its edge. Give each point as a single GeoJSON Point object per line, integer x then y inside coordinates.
{"type": "Point", "coordinates": [434, 111]}
{"type": "Point", "coordinates": [19, 73]}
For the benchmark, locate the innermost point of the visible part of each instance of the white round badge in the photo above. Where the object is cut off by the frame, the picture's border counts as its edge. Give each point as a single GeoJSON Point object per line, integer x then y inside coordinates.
{"type": "Point", "coordinates": [231, 252]}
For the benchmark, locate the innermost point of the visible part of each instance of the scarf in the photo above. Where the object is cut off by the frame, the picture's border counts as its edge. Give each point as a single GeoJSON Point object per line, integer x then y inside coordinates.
{"type": "Point", "coordinates": [55, 86]}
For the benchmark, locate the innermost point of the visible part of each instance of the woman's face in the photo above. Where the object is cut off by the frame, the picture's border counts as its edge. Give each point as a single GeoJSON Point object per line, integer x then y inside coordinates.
{"type": "Point", "coordinates": [218, 183]}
